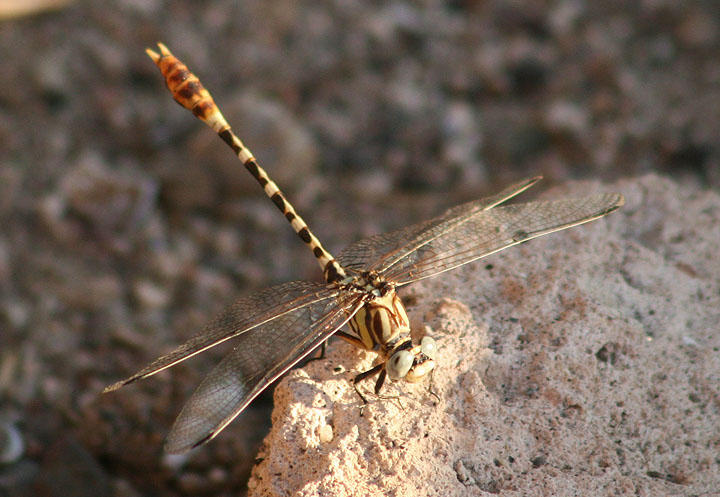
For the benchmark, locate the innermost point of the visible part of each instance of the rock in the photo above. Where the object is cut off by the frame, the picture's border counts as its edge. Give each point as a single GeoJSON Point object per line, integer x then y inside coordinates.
{"type": "Point", "coordinates": [582, 361]}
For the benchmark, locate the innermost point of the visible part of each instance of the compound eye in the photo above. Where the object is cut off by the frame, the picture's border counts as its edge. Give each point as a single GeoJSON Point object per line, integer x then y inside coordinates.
{"type": "Point", "coordinates": [399, 364]}
{"type": "Point", "coordinates": [428, 347]}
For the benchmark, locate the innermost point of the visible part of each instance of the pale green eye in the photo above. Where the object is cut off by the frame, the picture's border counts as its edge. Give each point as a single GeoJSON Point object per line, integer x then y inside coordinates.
{"type": "Point", "coordinates": [399, 365]}
{"type": "Point", "coordinates": [427, 347]}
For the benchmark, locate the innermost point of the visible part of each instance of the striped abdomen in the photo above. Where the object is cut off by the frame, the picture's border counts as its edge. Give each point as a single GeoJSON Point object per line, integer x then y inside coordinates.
{"type": "Point", "coordinates": [188, 91]}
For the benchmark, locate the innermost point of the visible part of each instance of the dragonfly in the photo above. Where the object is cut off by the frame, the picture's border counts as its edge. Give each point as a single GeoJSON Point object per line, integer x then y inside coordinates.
{"type": "Point", "coordinates": [275, 328]}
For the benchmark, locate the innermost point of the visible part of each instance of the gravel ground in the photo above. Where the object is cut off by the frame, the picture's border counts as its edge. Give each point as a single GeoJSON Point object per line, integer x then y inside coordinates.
{"type": "Point", "coordinates": [126, 224]}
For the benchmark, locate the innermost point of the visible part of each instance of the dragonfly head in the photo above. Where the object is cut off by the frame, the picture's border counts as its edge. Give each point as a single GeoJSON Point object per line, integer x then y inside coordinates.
{"type": "Point", "coordinates": [414, 363]}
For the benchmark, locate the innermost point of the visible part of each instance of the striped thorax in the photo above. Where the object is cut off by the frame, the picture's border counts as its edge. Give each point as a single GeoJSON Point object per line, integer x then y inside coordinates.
{"type": "Point", "coordinates": [384, 327]}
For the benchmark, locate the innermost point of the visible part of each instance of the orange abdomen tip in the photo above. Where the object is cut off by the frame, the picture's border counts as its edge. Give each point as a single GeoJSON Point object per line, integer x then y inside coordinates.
{"type": "Point", "coordinates": [186, 88]}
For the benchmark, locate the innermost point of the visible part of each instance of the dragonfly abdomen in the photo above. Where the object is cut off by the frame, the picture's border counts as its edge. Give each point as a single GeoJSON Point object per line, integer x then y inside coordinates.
{"type": "Point", "coordinates": [188, 91]}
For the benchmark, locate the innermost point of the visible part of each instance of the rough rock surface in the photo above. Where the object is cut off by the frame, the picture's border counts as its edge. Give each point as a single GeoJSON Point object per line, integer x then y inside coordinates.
{"type": "Point", "coordinates": [582, 363]}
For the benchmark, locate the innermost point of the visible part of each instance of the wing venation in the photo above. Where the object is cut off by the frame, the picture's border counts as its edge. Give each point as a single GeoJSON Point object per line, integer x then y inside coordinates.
{"type": "Point", "coordinates": [247, 313]}
{"type": "Point", "coordinates": [381, 251]}
{"type": "Point", "coordinates": [490, 231]}
{"type": "Point", "coordinates": [260, 356]}
{"type": "Point", "coordinates": [470, 231]}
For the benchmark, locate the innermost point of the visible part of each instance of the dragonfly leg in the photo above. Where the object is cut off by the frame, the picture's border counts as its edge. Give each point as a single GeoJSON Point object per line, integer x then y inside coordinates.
{"type": "Point", "coordinates": [430, 387]}
{"type": "Point", "coordinates": [345, 336]}
{"type": "Point", "coordinates": [380, 381]}
{"type": "Point", "coordinates": [323, 349]}
{"type": "Point", "coordinates": [367, 374]}
{"type": "Point", "coordinates": [351, 339]}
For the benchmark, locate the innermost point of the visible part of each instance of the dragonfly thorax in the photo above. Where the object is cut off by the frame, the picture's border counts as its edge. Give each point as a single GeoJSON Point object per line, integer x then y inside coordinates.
{"type": "Point", "coordinates": [369, 282]}
{"type": "Point", "coordinates": [382, 324]}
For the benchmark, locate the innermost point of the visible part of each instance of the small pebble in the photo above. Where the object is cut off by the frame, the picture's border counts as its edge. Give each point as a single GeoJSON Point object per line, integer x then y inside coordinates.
{"type": "Point", "coordinates": [325, 432]}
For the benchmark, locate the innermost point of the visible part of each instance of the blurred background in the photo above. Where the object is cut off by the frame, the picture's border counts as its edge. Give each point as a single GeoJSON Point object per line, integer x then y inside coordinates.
{"type": "Point", "coordinates": [125, 224]}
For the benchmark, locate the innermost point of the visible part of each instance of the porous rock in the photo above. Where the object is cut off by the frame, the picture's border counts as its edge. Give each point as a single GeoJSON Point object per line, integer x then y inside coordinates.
{"type": "Point", "coordinates": [582, 363]}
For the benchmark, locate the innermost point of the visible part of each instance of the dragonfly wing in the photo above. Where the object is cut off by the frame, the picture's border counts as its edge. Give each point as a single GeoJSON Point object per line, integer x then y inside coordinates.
{"type": "Point", "coordinates": [381, 251]}
{"type": "Point", "coordinates": [260, 356]}
{"type": "Point", "coordinates": [246, 314]}
{"type": "Point", "coordinates": [485, 232]}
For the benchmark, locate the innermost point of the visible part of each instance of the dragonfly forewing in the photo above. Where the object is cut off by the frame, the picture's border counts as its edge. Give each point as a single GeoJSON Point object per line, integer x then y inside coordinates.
{"type": "Point", "coordinates": [246, 314]}
{"type": "Point", "coordinates": [381, 251]}
{"type": "Point", "coordinates": [260, 356]}
{"type": "Point", "coordinates": [489, 231]}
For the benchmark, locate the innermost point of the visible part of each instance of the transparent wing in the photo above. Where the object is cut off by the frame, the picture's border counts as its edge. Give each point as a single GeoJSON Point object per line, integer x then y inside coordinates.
{"type": "Point", "coordinates": [260, 356]}
{"type": "Point", "coordinates": [381, 251]}
{"type": "Point", "coordinates": [465, 238]}
{"type": "Point", "coordinates": [246, 314]}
